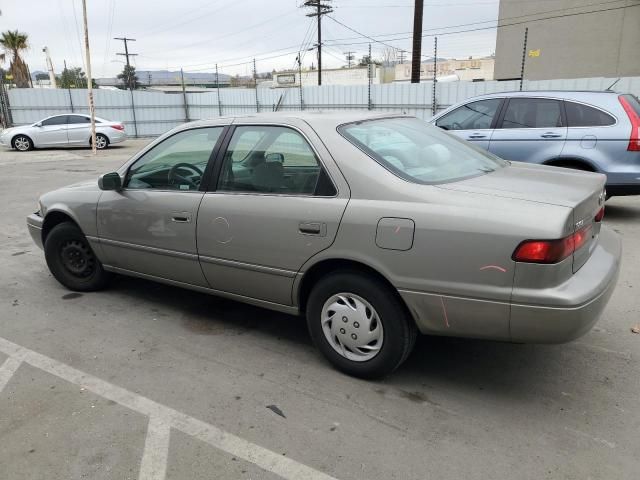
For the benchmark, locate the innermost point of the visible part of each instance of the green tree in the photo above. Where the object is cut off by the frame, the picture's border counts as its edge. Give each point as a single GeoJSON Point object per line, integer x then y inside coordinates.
{"type": "Point", "coordinates": [14, 43]}
{"type": "Point", "coordinates": [74, 78]}
{"type": "Point", "coordinates": [129, 78]}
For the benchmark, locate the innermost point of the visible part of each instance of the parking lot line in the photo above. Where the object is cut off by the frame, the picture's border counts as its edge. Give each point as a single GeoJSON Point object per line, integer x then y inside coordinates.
{"type": "Point", "coordinates": [162, 418]}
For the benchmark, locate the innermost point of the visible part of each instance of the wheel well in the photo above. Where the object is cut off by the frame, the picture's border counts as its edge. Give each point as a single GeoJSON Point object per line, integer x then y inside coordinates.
{"type": "Point", "coordinates": [23, 135]}
{"type": "Point", "coordinates": [98, 134]}
{"type": "Point", "coordinates": [575, 163]}
{"type": "Point", "coordinates": [51, 220]}
{"type": "Point", "coordinates": [325, 267]}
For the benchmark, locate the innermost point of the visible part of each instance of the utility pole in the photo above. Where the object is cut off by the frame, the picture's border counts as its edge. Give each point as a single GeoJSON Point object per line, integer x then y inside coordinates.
{"type": "Point", "coordinates": [52, 75]}
{"type": "Point", "coordinates": [417, 41]}
{"type": "Point", "coordinates": [401, 55]}
{"type": "Point", "coordinates": [369, 104]}
{"type": "Point", "coordinates": [129, 77]}
{"type": "Point", "coordinates": [300, 78]}
{"type": "Point", "coordinates": [524, 56]}
{"type": "Point", "coordinates": [218, 90]}
{"type": "Point", "coordinates": [318, 10]}
{"type": "Point", "coordinates": [184, 97]}
{"type": "Point", "coordinates": [68, 87]}
{"type": "Point", "coordinates": [92, 108]}
{"type": "Point", "coordinates": [255, 84]}
{"type": "Point", "coordinates": [434, 104]}
{"type": "Point", "coordinates": [350, 57]}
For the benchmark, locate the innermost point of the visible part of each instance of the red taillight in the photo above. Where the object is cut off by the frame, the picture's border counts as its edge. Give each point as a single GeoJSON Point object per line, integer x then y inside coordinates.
{"type": "Point", "coordinates": [599, 216]}
{"type": "Point", "coordinates": [634, 118]}
{"type": "Point", "coordinates": [118, 127]}
{"type": "Point", "coordinates": [551, 251]}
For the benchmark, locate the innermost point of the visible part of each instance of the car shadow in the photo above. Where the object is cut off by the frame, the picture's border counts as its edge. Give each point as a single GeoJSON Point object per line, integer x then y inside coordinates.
{"type": "Point", "coordinates": [467, 364]}
{"type": "Point", "coordinates": [621, 212]}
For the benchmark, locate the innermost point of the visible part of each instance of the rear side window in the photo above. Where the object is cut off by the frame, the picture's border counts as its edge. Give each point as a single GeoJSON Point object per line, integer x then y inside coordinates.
{"type": "Point", "coordinates": [579, 115]}
{"type": "Point", "coordinates": [532, 113]}
{"type": "Point", "coordinates": [472, 116]}
{"type": "Point", "coordinates": [77, 119]}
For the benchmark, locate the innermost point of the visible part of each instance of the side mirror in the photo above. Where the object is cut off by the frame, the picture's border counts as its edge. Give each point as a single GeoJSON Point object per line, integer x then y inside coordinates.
{"type": "Point", "coordinates": [39, 124]}
{"type": "Point", "coordinates": [110, 181]}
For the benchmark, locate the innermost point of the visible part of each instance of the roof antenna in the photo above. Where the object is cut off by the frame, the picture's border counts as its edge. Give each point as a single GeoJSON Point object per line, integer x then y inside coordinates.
{"type": "Point", "coordinates": [612, 85]}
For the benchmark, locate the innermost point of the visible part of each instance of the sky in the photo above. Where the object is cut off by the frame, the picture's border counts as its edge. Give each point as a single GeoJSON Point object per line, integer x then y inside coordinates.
{"type": "Point", "coordinates": [197, 34]}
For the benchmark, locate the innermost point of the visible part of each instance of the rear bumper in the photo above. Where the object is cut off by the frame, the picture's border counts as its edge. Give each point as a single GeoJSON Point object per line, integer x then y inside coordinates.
{"type": "Point", "coordinates": [34, 224]}
{"type": "Point", "coordinates": [584, 297]}
{"type": "Point", "coordinates": [117, 136]}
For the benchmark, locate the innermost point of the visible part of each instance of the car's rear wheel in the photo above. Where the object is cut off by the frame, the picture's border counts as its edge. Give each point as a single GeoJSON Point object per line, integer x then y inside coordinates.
{"type": "Point", "coordinates": [72, 261]}
{"type": "Point", "coordinates": [102, 141]}
{"type": "Point", "coordinates": [359, 324]}
{"type": "Point", "coordinates": [22, 143]}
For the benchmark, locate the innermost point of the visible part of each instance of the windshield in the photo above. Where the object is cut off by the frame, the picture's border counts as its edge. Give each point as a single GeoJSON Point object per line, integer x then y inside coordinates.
{"type": "Point", "coordinates": [418, 152]}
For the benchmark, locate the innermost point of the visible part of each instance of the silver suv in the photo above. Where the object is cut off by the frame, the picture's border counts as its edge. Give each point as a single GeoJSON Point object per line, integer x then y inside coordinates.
{"type": "Point", "coordinates": [594, 131]}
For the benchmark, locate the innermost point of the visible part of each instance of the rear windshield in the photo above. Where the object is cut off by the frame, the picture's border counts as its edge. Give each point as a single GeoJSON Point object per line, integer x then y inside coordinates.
{"type": "Point", "coordinates": [633, 101]}
{"type": "Point", "coordinates": [418, 152]}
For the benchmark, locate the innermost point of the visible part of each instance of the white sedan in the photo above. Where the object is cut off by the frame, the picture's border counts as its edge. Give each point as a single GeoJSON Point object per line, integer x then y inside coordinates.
{"type": "Point", "coordinates": [63, 131]}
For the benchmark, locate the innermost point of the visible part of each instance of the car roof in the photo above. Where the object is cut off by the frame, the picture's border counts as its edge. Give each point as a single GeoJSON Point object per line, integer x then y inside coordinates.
{"type": "Point", "coordinates": [569, 94]}
{"type": "Point", "coordinates": [326, 118]}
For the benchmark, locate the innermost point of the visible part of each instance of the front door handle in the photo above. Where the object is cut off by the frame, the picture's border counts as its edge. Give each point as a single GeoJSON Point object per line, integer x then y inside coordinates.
{"type": "Point", "coordinates": [312, 228]}
{"type": "Point", "coordinates": [477, 135]}
{"type": "Point", "coordinates": [181, 217]}
{"type": "Point", "coordinates": [551, 135]}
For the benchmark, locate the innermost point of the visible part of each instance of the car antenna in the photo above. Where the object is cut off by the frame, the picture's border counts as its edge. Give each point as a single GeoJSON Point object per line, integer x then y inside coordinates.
{"type": "Point", "coordinates": [608, 89]}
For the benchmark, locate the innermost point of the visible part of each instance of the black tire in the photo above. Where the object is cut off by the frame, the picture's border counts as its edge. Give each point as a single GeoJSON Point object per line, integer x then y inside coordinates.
{"type": "Point", "coordinates": [399, 329]}
{"type": "Point", "coordinates": [102, 141]}
{"type": "Point", "coordinates": [22, 143]}
{"type": "Point", "coordinates": [72, 261]}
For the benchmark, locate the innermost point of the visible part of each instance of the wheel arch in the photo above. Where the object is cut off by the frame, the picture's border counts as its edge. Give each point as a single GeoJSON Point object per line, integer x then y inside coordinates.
{"type": "Point", "coordinates": [53, 218]}
{"type": "Point", "coordinates": [572, 162]}
{"type": "Point", "coordinates": [330, 265]}
{"type": "Point", "coordinates": [33, 144]}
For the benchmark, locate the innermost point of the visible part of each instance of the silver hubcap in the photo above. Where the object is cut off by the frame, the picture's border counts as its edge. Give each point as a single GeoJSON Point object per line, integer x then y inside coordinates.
{"type": "Point", "coordinates": [352, 327]}
{"type": "Point", "coordinates": [101, 142]}
{"type": "Point", "coordinates": [21, 143]}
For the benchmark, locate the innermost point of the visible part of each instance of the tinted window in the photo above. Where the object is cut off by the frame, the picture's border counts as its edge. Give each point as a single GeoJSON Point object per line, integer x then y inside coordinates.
{"type": "Point", "coordinates": [270, 159]}
{"type": "Point", "coordinates": [75, 119]}
{"type": "Point", "coordinates": [472, 116]}
{"type": "Point", "coordinates": [177, 163]}
{"type": "Point", "coordinates": [418, 152]}
{"type": "Point", "coordinates": [579, 115]}
{"type": "Point", "coordinates": [532, 113]}
{"type": "Point", "coordinates": [59, 120]}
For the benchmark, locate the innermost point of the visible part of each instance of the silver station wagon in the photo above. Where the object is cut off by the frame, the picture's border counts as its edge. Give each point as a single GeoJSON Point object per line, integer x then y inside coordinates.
{"type": "Point", "coordinates": [375, 227]}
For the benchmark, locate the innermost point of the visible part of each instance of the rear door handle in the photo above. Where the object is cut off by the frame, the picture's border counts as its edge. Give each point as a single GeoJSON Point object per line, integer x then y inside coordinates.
{"type": "Point", "coordinates": [181, 217]}
{"type": "Point", "coordinates": [551, 135]}
{"type": "Point", "coordinates": [312, 228]}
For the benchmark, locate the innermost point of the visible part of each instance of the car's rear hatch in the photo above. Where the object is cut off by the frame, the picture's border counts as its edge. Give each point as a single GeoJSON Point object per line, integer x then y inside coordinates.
{"type": "Point", "coordinates": [582, 192]}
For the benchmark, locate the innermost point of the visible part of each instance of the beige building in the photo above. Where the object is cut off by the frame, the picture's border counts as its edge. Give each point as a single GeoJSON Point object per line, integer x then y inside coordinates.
{"type": "Point", "coordinates": [469, 69]}
{"type": "Point", "coordinates": [565, 41]}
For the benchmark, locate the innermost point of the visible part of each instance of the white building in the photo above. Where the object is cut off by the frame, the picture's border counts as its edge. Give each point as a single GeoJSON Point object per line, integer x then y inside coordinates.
{"type": "Point", "coordinates": [333, 76]}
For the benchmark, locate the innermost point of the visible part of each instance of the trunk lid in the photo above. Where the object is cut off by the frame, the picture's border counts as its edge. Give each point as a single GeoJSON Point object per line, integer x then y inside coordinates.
{"type": "Point", "coordinates": [583, 192]}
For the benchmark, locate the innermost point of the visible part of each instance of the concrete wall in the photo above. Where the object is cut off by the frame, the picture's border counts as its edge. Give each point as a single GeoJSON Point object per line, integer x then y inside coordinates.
{"type": "Point", "coordinates": [605, 43]}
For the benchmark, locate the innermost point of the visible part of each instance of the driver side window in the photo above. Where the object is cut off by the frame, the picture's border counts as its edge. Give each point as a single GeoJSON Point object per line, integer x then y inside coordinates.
{"type": "Point", "coordinates": [177, 163]}
{"type": "Point", "coordinates": [472, 116]}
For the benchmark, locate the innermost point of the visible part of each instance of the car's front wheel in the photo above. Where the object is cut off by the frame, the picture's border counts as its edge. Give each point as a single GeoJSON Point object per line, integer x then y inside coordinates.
{"type": "Point", "coordinates": [72, 261]}
{"type": "Point", "coordinates": [22, 143]}
{"type": "Point", "coordinates": [359, 324]}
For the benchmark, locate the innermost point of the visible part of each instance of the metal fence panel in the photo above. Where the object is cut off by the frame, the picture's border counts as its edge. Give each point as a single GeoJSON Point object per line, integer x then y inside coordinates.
{"type": "Point", "coordinates": [157, 112]}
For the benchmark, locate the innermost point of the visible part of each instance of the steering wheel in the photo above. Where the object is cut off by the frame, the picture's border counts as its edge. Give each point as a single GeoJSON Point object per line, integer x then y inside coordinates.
{"type": "Point", "coordinates": [173, 175]}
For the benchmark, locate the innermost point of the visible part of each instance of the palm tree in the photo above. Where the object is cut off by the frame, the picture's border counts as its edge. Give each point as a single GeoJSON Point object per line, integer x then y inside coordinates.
{"type": "Point", "coordinates": [14, 43]}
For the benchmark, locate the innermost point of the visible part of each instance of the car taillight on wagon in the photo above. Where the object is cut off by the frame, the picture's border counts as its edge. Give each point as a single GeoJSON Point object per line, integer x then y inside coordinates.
{"type": "Point", "coordinates": [551, 251]}
{"type": "Point", "coordinates": [634, 118]}
{"type": "Point", "coordinates": [118, 127]}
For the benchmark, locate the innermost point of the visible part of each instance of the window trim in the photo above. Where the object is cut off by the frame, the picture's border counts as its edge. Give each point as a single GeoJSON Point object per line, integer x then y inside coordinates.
{"type": "Point", "coordinates": [212, 157]}
{"type": "Point", "coordinates": [55, 116]}
{"type": "Point", "coordinates": [503, 113]}
{"type": "Point", "coordinates": [212, 182]}
{"type": "Point", "coordinates": [564, 101]}
{"type": "Point", "coordinates": [494, 120]}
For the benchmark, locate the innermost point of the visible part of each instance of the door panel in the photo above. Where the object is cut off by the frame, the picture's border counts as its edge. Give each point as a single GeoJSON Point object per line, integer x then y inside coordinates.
{"type": "Point", "coordinates": [274, 208]}
{"type": "Point", "coordinates": [532, 130]}
{"type": "Point", "coordinates": [79, 130]}
{"type": "Point", "coordinates": [152, 233]}
{"type": "Point", "coordinates": [149, 226]}
{"type": "Point", "coordinates": [472, 121]}
{"type": "Point", "coordinates": [53, 132]}
{"type": "Point", "coordinates": [253, 245]}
